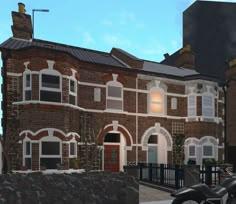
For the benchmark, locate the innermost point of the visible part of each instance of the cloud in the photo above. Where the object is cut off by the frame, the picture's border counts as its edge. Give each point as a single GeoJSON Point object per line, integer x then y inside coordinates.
{"type": "Point", "coordinates": [116, 40]}
{"type": "Point", "coordinates": [88, 40]}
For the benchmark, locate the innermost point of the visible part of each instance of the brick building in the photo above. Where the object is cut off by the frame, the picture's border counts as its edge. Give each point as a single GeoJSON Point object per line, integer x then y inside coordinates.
{"type": "Point", "coordinates": [139, 110]}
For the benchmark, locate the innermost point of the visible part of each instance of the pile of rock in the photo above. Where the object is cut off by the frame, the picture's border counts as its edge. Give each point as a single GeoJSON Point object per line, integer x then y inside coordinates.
{"type": "Point", "coordinates": [91, 188]}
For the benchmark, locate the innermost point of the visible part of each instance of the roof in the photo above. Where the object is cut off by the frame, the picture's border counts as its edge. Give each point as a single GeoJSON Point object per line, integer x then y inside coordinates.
{"type": "Point", "coordinates": [93, 56]}
{"type": "Point", "coordinates": [169, 70]}
{"type": "Point", "coordinates": [82, 54]}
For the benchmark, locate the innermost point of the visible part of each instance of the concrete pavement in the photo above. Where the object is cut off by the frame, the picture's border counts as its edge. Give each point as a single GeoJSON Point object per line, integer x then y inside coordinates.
{"type": "Point", "coordinates": [149, 195]}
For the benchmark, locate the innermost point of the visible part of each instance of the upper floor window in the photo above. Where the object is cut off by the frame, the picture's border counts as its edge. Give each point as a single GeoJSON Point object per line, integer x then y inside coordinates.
{"type": "Point", "coordinates": [207, 106]}
{"type": "Point", "coordinates": [72, 91]}
{"type": "Point", "coordinates": [114, 95]}
{"type": "Point", "coordinates": [50, 86]}
{"type": "Point", "coordinates": [192, 104]}
{"type": "Point", "coordinates": [156, 101]}
{"type": "Point", "coordinates": [27, 86]}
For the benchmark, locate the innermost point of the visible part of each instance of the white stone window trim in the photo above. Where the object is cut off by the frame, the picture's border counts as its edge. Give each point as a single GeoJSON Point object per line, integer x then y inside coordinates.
{"type": "Point", "coordinates": [25, 88]}
{"type": "Point", "coordinates": [76, 149]}
{"type": "Point", "coordinates": [24, 151]}
{"type": "Point", "coordinates": [119, 85]}
{"type": "Point", "coordinates": [76, 86]}
{"type": "Point", "coordinates": [50, 139]}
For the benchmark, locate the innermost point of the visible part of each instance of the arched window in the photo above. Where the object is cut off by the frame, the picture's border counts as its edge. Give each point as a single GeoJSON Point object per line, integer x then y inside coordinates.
{"type": "Point", "coordinates": [156, 105]}
{"type": "Point", "coordinates": [27, 85]}
{"type": "Point", "coordinates": [114, 96]}
{"type": "Point", "coordinates": [50, 85]}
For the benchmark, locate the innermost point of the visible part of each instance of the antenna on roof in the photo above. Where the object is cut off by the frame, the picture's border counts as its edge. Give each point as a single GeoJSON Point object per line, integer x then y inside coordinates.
{"type": "Point", "coordinates": [38, 10]}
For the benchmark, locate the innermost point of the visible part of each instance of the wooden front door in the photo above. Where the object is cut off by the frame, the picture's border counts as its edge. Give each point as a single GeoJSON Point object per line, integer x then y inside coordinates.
{"type": "Point", "coordinates": [112, 158]}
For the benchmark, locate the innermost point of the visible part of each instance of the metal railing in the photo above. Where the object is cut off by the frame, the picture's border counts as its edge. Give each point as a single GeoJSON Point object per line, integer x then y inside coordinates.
{"type": "Point", "coordinates": [173, 175]}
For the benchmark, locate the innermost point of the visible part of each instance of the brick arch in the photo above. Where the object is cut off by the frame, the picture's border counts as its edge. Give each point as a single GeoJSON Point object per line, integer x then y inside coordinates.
{"type": "Point", "coordinates": [109, 128]}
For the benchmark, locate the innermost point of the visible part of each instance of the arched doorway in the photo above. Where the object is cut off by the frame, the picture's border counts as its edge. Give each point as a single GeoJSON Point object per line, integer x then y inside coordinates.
{"type": "Point", "coordinates": [114, 155]}
{"type": "Point", "coordinates": [157, 142]}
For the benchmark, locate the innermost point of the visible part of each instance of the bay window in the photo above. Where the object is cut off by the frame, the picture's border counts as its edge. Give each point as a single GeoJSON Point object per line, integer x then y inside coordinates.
{"type": "Point", "coordinates": [192, 104]}
{"type": "Point", "coordinates": [72, 92]}
{"type": "Point", "coordinates": [50, 87]}
{"type": "Point", "coordinates": [207, 106]}
{"type": "Point", "coordinates": [27, 86]}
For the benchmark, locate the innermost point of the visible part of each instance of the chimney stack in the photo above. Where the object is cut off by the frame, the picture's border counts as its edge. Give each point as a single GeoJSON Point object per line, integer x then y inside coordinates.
{"type": "Point", "coordinates": [22, 25]}
{"type": "Point", "coordinates": [186, 58]}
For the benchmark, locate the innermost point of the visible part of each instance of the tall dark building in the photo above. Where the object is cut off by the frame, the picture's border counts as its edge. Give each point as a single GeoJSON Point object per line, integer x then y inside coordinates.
{"type": "Point", "coordinates": [210, 29]}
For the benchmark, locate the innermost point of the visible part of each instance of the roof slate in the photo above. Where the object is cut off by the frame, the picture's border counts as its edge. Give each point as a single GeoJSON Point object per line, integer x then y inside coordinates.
{"type": "Point", "coordinates": [82, 54]}
{"type": "Point", "coordinates": [166, 69]}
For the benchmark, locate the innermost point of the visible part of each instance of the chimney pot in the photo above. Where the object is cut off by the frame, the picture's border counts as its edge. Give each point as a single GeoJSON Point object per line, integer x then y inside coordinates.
{"type": "Point", "coordinates": [21, 7]}
{"type": "Point", "coordinates": [166, 55]}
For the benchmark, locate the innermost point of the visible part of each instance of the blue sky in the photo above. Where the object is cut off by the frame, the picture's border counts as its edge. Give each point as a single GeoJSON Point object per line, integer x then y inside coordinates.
{"type": "Point", "coordinates": [146, 29]}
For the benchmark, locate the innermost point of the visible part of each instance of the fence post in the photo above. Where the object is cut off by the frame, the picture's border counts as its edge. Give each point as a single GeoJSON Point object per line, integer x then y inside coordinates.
{"type": "Point", "coordinates": [150, 171]}
{"type": "Point", "coordinates": [140, 171]}
{"type": "Point", "coordinates": [177, 176]}
{"type": "Point", "coordinates": [162, 174]}
{"type": "Point", "coordinates": [208, 169]}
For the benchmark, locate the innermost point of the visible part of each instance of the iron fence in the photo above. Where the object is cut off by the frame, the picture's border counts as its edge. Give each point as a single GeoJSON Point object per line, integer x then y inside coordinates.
{"type": "Point", "coordinates": [173, 175]}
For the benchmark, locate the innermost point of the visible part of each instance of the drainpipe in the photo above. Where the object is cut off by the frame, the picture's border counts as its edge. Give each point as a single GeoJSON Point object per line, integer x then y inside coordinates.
{"type": "Point", "coordinates": [136, 120]}
{"type": "Point", "coordinates": [5, 57]}
{"type": "Point", "coordinates": [225, 123]}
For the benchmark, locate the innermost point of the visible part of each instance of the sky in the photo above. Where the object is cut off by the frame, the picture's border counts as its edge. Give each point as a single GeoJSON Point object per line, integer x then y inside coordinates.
{"type": "Point", "coordinates": [145, 28]}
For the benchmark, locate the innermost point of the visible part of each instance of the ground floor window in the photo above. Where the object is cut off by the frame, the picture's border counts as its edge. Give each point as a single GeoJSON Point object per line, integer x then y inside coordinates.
{"type": "Point", "coordinates": [27, 161]}
{"type": "Point", "coordinates": [73, 149]}
{"type": "Point", "coordinates": [50, 154]}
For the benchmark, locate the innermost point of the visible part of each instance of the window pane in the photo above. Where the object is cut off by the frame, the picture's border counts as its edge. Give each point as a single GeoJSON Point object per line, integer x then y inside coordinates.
{"type": "Point", "coordinates": [50, 148]}
{"type": "Point", "coordinates": [208, 112]}
{"type": "Point", "coordinates": [72, 100]}
{"type": "Point", "coordinates": [207, 151]}
{"type": "Point", "coordinates": [27, 80]}
{"type": "Point", "coordinates": [28, 163]}
{"type": "Point", "coordinates": [114, 91]}
{"type": "Point", "coordinates": [156, 97]}
{"type": "Point", "coordinates": [207, 101]}
{"type": "Point", "coordinates": [191, 150]}
{"type": "Point", "coordinates": [191, 100]}
{"type": "Point", "coordinates": [114, 104]}
{"type": "Point", "coordinates": [50, 81]}
{"type": "Point", "coordinates": [173, 103]}
{"type": "Point", "coordinates": [112, 137]}
{"type": "Point", "coordinates": [28, 95]}
{"type": "Point", "coordinates": [72, 148]}
{"type": "Point", "coordinates": [27, 148]}
{"type": "Point", "coordinates": [50, 96]}
{"type": "Point", "coordinates": [156, 108]}
{"type": "Point", "coordinates": [191, 111]}
{"type": "Point", "coordinates": [152, 139]}
{"type": "Point", "coordinates": [72, 86]}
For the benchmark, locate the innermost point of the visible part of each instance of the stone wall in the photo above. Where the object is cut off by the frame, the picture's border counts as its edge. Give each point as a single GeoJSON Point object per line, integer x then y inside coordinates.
{"type": "Point", "coordinates": [91, 188]}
